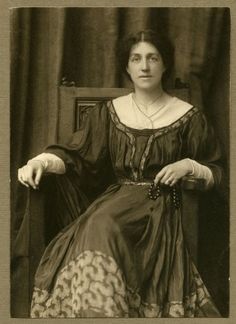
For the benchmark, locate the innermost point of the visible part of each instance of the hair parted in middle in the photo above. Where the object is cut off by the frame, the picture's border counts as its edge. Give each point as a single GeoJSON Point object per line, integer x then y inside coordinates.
{"type": "Point", "coordinates": [160, 41]}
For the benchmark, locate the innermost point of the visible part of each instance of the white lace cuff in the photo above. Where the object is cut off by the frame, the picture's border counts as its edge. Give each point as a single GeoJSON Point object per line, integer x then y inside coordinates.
{"type": "Point", "coordinates": [201, 171]}
{"type": "Point", "coordinates": [51, 163]}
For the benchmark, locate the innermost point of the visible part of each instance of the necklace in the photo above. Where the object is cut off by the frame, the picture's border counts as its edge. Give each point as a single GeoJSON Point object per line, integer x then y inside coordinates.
{"type": "Point", "coordinates": [148, 104]}
{"type": "Point", "coordinates": [148, 116]}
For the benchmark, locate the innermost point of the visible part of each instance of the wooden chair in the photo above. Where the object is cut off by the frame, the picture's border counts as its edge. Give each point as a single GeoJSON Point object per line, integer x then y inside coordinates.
{"type": "Point", "coordinates": [73, 103]}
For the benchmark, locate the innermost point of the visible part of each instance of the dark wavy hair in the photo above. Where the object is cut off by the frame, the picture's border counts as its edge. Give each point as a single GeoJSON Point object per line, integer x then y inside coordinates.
{"type": "Point", "coordinates": [161, 42]}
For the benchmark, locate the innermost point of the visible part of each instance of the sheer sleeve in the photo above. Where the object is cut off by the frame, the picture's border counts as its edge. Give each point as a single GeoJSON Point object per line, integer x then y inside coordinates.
{"type": "Point", "coordinates": [201, 144]}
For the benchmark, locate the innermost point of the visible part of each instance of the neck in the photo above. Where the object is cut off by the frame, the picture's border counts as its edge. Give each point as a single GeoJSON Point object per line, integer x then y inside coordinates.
{"type": "Point", "coordinates": [148, 97]}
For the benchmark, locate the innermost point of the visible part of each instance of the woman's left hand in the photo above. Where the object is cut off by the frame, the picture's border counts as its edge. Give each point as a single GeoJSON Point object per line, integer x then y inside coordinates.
{"type": "Point", "coordinates": [171, 173]}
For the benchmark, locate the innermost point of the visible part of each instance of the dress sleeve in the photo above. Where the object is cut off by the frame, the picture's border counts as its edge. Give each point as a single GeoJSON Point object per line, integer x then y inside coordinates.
{"type": "Point", "coordinates": [202, 145]}
{"type": "Point", "coordinates": [87, 151]}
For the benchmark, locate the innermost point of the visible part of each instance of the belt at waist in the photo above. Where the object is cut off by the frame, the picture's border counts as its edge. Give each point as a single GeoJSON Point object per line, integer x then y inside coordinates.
{"type": "Point", "coordinates": [155, 191]}
{"type": "Point", "coordinates": [135, 183]}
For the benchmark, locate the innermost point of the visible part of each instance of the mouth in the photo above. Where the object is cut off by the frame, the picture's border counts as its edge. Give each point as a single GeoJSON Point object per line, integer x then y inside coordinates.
{"type": "Point", "coordinates": [145, 76]}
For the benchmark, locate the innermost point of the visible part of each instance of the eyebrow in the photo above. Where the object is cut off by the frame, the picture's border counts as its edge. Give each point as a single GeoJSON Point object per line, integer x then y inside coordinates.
{"type": "Point", "coordinates": [146, 54]}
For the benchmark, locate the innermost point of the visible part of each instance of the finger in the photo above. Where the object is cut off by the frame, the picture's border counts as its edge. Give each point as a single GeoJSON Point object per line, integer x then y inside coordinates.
{"type": "Point", "coordinates": [168, 181]}
{"type": "Point", "coordinates": [27, 176]}
{"type": "Point", "coordinates": [160, 175]}
{"type": "Point", "coordinates": [19, 174]}
{"type": "Point", "coordinates": [166, 177]}
{"type": "Point", "coordinates": [173, 182]}
{"type": "Point", "coordinates": [21, 180]}
{"type": "Point", "coordinates": [24, 183]}
{"type": "Point", "coordinates": [38, 176]}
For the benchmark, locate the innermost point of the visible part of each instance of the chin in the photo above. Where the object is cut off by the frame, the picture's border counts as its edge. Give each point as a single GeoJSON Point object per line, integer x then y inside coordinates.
{"type": "Point", "coordinates": [147, 87]}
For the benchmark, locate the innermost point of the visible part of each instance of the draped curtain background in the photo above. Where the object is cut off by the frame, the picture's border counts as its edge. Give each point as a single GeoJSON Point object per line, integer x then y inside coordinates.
{"type": "Point", "coordinates": [79, 45]}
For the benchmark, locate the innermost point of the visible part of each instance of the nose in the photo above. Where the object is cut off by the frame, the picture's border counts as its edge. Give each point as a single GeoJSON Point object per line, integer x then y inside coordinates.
{"type": "Point", "coordinates": [144, 65]}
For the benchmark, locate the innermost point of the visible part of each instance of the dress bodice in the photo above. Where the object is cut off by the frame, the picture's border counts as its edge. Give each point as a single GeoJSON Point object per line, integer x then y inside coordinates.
{"type": "Point", "coordinates": [140, 153]}
{"type": "Point", "coordinates": [105, 145]}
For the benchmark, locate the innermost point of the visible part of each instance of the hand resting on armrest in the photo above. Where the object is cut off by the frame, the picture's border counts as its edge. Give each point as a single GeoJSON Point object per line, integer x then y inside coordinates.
{"type": "Point", "coordinates": [199, 176]}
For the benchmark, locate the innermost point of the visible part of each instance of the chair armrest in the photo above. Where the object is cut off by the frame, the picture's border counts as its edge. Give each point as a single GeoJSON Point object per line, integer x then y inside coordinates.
{"type": "Point", "coordinates": [191, 183]}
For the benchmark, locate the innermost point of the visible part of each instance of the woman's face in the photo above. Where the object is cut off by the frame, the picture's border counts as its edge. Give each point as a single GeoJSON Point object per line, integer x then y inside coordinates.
{"type": "Point", "coordinates": [145, 66]}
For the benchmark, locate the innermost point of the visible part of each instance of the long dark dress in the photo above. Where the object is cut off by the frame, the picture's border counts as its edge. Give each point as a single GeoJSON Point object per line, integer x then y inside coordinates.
{"type": "Point", "coordinates": [126, 256]}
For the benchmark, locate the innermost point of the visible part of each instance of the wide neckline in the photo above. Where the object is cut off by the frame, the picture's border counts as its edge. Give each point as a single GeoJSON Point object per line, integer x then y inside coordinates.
{"type": "Point", "coordinates": [150, 131]}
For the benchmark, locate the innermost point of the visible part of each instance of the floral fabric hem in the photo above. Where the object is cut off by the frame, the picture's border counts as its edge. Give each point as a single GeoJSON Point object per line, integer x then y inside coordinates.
{"type": "Point", "coordinates": [92, 285]}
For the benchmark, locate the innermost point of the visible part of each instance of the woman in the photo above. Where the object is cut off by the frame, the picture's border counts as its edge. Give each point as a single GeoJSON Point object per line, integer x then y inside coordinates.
{"type": "Point", "coordinates": [126, 256]}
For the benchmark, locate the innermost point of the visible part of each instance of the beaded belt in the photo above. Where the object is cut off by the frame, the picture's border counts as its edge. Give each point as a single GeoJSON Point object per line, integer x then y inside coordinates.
{"type": "Point", "coordinates": [155, 191]}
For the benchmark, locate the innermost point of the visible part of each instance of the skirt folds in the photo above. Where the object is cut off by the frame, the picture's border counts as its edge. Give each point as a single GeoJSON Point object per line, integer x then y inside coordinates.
{"type": "Point", "coordinates": [124, 257]}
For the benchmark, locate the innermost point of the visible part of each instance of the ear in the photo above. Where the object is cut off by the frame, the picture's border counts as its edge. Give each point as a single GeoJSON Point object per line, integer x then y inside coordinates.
{"type": "Point", "coordinates": [164, 69]}
{"type": "Point", "coordinates": [127, 70]}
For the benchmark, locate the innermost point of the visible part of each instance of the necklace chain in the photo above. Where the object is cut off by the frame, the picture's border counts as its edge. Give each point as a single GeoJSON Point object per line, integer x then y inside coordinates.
{"type": "Point", "coordinates": [149, 117]}
{"type": "Point", "coordinates": [148, 104]}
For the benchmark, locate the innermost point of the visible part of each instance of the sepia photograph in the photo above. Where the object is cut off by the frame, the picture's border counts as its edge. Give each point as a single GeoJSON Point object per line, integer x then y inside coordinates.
{"type": "Point", "coordinates": [119, 162]}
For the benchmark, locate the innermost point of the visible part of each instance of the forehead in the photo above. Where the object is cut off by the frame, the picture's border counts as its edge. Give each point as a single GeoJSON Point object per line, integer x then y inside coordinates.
{"type": "Point", "coordinates": [143, 48]}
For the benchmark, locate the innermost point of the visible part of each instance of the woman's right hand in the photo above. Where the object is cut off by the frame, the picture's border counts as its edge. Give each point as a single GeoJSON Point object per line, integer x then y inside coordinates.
{"type": "Point", "coordinates": [31, 173]}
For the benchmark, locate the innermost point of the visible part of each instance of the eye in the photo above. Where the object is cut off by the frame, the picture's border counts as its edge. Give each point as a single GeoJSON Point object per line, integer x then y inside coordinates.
{"type": "Point", "coordinates": [154, 58]}
{"type": "Point", "coordinates": [134, 59]}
